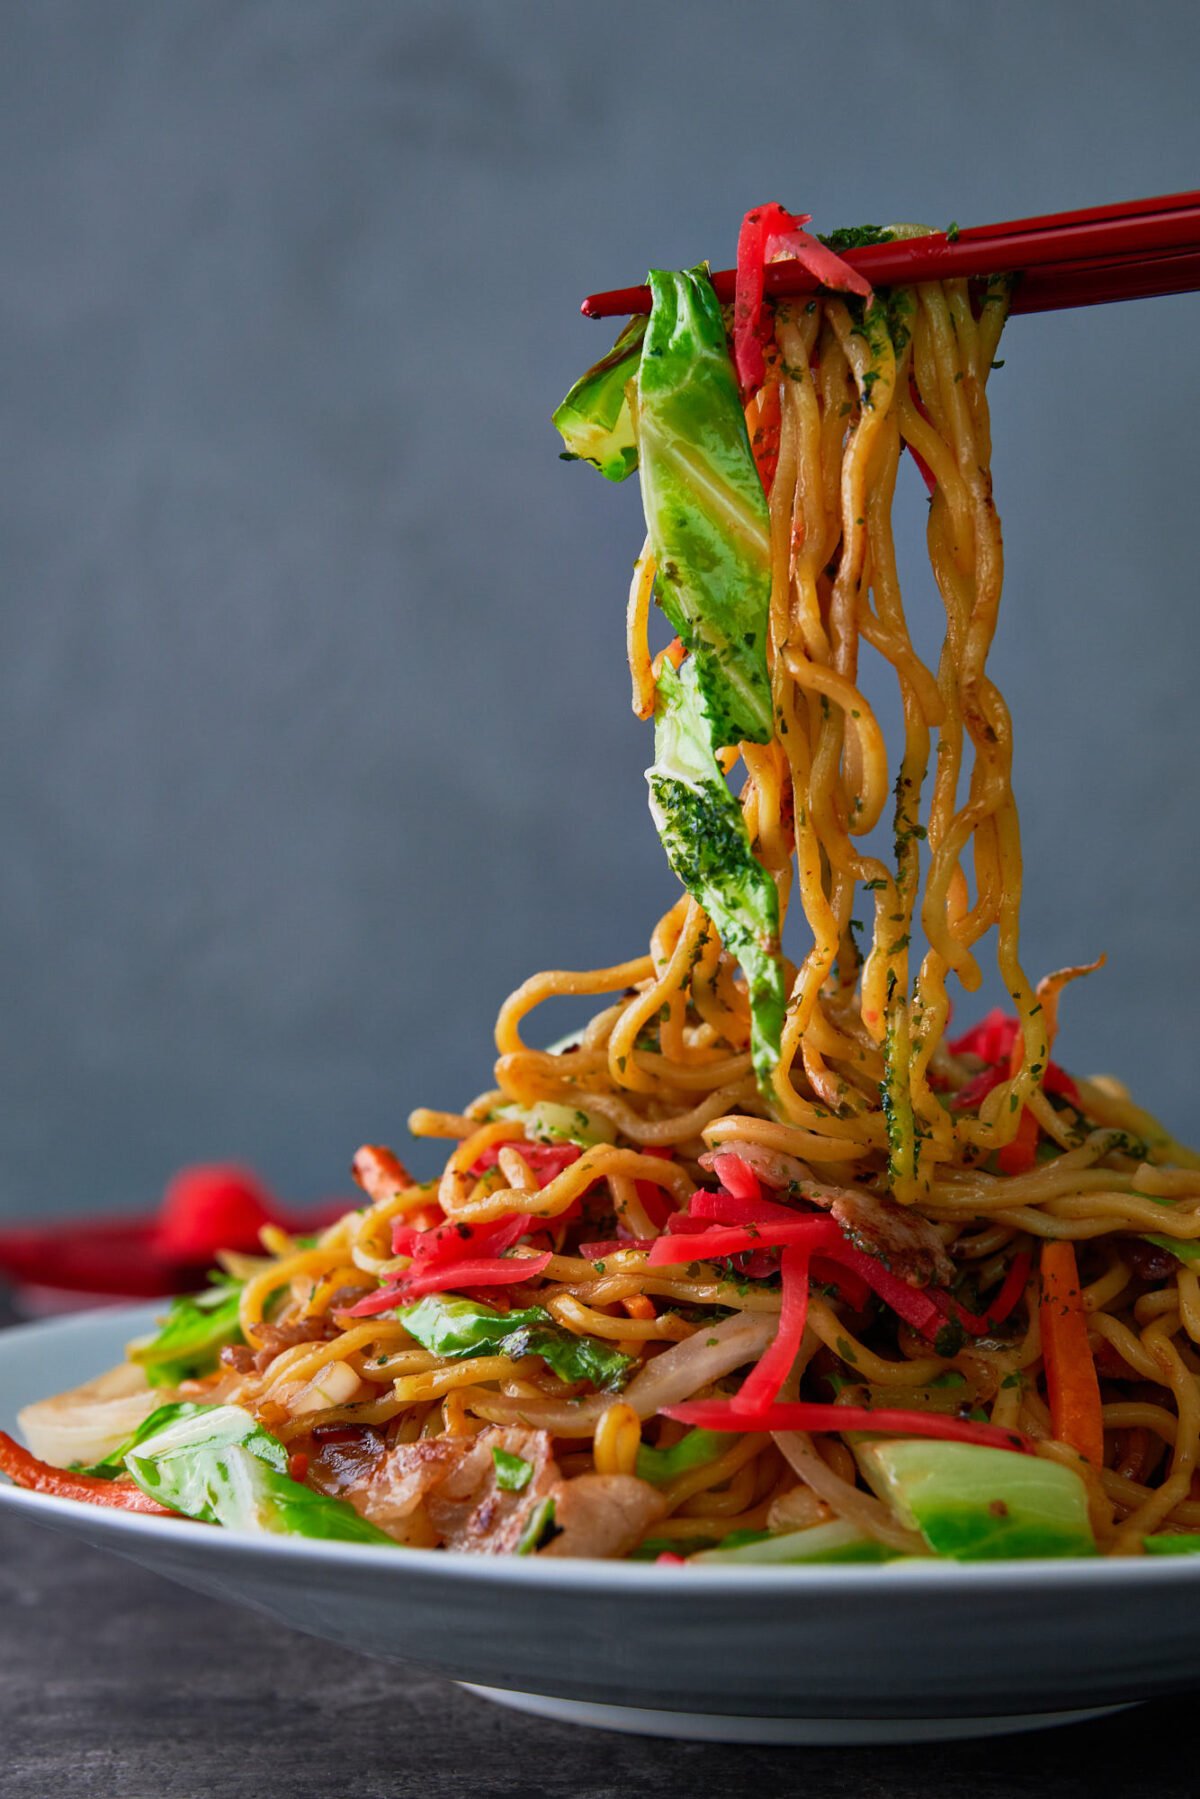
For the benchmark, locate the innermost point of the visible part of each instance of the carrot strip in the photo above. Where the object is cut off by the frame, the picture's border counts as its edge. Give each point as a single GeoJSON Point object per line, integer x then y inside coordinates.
{"type": "Point", "coordinates": [1072, 1386]}
{"type": "Point", "coordinates": [639, 1305]}
{"type": "Point", "coordinates": [1019, 1156]}
{"type": "Point", "coordinates": [42, 1477]}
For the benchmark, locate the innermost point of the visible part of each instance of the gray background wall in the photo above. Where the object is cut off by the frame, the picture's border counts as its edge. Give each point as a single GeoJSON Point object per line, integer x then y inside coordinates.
{"type": "Point", "coordinates": [312, 703]}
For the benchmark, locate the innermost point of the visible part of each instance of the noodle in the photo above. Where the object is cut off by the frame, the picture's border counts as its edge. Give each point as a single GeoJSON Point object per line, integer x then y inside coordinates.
{"type": "Point", "coordinates": [978, 1153]}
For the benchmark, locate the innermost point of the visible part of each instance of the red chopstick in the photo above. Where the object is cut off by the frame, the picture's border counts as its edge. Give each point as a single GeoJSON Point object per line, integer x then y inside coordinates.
{"type": "Point", "coordinates": [1081, 258]}
{"type": "Point", "coordinates": [1095, 283]}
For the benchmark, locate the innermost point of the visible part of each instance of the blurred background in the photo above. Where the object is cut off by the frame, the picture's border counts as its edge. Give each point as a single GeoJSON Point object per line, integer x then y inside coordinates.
{"type": "Point", "coordinates": [316, 736]}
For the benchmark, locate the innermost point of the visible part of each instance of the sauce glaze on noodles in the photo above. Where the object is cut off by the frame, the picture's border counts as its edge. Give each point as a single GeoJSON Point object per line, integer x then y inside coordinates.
{"type": "Point", "coordinates": [665, 1059]}
{"type": "Point", "coordinates": [870, 1105]}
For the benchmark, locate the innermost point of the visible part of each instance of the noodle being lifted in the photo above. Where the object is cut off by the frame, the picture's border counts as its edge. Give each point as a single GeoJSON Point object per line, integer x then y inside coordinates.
{"type": "Point", "coordinates": [760, 1265]}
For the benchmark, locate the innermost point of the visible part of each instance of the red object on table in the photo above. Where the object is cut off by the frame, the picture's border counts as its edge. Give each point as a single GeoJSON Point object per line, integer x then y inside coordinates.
{"type": "Point", "coordinates": [205, 1208]}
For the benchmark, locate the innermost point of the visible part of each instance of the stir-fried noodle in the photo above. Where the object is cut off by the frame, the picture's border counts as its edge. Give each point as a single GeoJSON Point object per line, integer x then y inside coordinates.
{"type": "Point", "coordinates": [854, 1210]}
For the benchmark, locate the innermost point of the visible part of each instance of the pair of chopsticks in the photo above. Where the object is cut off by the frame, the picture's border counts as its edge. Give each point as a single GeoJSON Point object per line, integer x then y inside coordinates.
{"type": "Point", "coordinates": [1084, 258]}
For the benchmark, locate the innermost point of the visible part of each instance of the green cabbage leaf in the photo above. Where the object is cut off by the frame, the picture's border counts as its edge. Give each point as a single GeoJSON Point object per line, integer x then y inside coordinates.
{"type": "Point", "coordinates": [704, 834]}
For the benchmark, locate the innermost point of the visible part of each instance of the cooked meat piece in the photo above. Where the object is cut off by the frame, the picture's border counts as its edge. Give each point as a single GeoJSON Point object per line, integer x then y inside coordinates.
{"type": "Point", "coordinates": [603, 1515]}
{"type": "Point", "coordinates": [772, 1167]}
{"type": "Point", "coordinates": [470, 1510]}
{"type": "Point", "coordinates": [379, 1173]}
{"type": "Point", "coordinates": [344, 1456]}
{"type": "Point", "coordinates": [455, 1480]}
{"type": "Point", "coordinates": [1147, 1260]}
{"type": "Point", "coordinates": [393, 1496]}
{"type": "Point", "coordinates": [902, 1239]}
{"type": "Point", "coordinates": [278, 1337]}
{"type": "Point", "coordinates": [342, 1298]}
{"type": "Point", "coordinates": [275, 1339]}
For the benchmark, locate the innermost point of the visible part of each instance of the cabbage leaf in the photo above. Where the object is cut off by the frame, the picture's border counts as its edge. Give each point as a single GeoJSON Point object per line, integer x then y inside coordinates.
{"type": "Point", "coordinates": [705, 508]}
{"type": "Point", "coordinates": [195, 1330]}
{"type": "Point", "coordinates": [217, 1464]}
{"type": "Point", "coordinates": [455, 1328]}
{"type": "Point", "coordinates": [704, 834]}
{"type": "Point", "coordinates": [595, 420]}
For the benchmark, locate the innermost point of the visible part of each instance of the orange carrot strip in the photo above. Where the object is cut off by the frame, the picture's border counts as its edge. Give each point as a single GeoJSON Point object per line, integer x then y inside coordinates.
{"type": "Point", "coordinates": [1072, 1386]}
{"type": "Point", "coordinates": [42, 1477]}
{"type": "Point", "coordinates": [639, 1305]}
{"type": "Point", "coordinates": [1019, 1156]}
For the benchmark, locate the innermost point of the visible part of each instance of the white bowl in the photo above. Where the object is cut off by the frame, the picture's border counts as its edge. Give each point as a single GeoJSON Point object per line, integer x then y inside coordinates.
{"type": "Point", "coordinates": [902, 1653]}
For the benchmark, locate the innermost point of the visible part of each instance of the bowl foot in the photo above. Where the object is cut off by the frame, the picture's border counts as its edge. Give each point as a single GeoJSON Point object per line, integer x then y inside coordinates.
{"type": "Point", "coordinates": [705, 1727]}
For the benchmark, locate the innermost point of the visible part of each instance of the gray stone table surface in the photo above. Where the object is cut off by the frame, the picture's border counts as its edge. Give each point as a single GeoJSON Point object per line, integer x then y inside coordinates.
{"type": "Point", "coordinates": [114, 1683]}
